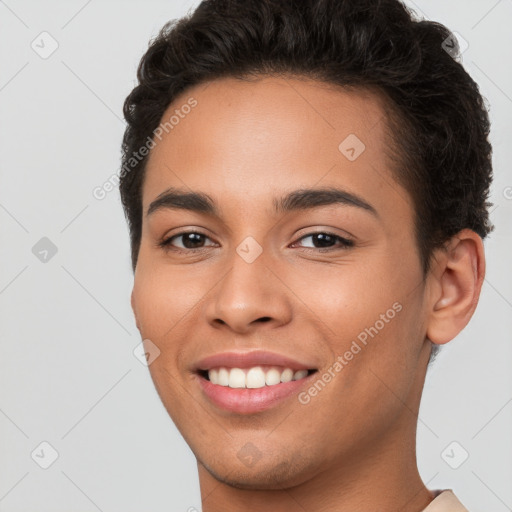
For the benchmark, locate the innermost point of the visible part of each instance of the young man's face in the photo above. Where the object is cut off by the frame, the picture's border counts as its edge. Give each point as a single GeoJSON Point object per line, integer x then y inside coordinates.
{"type": "Point", "coordinates": [354, 313]}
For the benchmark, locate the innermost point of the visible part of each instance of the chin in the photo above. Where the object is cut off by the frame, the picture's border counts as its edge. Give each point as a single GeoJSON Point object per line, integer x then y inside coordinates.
{"type": "Point", "coordinates": [274, 475]}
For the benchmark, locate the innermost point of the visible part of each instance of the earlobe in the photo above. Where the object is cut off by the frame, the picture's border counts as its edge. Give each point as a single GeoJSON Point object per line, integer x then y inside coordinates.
{"type": "Point", "coordinates": [459, 275]}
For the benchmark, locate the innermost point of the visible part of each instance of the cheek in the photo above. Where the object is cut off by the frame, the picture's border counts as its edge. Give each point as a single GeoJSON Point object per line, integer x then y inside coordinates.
{"type": "Point", "coordinates": [163, 296]}
{"type": "Point", "coordinates": [350, 296]}
{"type": "Point", "coordinates": [369, 312]}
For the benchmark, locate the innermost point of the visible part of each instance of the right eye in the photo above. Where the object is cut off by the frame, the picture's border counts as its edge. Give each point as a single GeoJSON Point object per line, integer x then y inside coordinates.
{"type": "Point", "coordinates": [190, 240]}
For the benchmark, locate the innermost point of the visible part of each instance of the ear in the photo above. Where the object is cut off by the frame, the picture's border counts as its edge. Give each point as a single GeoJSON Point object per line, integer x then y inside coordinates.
{"type": "Point", "coordinates": [457, 276]}
{"type": "Point", "coordinates": [134, 309]}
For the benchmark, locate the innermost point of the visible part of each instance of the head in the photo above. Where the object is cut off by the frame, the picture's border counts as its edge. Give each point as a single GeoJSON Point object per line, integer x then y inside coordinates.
{"type": "Point", "coordinates": [240, 107]}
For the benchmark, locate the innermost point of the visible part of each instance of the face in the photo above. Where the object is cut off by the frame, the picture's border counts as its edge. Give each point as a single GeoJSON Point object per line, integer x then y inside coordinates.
{"type": "Point", "coordinates": [323, 289]}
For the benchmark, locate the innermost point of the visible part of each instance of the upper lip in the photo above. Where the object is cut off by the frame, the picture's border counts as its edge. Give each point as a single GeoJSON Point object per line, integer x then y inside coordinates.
{"type": "Point", "coordinates": [250, 359]}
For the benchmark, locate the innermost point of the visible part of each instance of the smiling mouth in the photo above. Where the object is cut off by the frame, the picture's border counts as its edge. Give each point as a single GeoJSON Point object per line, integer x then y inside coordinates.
{"type": "Point", "coordinates": [253, 378]}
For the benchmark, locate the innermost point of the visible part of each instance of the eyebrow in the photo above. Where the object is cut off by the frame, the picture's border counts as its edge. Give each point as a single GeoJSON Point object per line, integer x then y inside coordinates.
{"type": "Point", "coordinates": [297, 200]}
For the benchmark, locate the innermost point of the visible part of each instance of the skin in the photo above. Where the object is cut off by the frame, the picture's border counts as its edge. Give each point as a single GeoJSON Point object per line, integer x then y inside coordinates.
{"type": "Point", "coordinates": [352, 447]}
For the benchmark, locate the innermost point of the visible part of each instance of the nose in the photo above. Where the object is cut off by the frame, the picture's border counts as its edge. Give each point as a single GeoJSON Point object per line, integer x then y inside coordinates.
{"type": "Point", "coordinates": [250, 294]}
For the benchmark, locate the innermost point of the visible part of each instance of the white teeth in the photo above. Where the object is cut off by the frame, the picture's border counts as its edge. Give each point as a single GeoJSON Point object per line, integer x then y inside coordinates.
{"type": "Point", "coordinates": [223, 379]}
{"type": "Point", "coordinates": [300, 374]}
{"type": "Point", "coordinates": [287, 375]}
{"type": "Point", "coordinates": [273, 377]}
{"type": "Point", "coordinates": [236, 378]}
{"type": "Point", "coordinates": [214, 376]}
{"type": "Point", "coordinates": [253, 378]}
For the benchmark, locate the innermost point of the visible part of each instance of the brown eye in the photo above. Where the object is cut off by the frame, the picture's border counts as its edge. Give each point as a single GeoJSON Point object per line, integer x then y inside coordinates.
{"type": "Point", "coordinates": [325, 240]}
{"type": "Point", "coordinates": [190, 240]}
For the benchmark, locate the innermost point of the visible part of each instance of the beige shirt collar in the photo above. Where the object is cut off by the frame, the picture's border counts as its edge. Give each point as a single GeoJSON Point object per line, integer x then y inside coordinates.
{"type": "Point", "coordinates": [446, 501]}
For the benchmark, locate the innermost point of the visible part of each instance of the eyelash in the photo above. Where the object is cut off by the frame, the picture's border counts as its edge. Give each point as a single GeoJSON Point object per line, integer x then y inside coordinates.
{"type": "Point", "coordinates": [345, 243]}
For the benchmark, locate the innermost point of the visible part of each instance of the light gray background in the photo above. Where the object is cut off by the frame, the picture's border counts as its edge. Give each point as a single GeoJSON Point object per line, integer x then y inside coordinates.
{"type": "Point", "coordinates": [68, 373]}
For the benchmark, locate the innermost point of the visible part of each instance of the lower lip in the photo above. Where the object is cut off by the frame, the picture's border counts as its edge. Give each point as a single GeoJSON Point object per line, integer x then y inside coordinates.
{"type": "Point", "coordinates": [247, 400]}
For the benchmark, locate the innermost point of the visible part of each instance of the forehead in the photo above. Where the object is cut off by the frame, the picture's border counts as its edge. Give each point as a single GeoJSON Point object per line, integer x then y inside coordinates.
{"type": "Point", "coordinates": [245, 140]}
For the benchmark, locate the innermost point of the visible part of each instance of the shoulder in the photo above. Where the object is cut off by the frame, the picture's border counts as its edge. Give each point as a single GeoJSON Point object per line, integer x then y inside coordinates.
{"type": "Point", "coordinates": [445, 501]}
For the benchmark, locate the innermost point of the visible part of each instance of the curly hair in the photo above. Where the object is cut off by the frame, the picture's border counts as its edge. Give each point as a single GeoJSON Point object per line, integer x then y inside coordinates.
{"type": "Point", "coordinates": [437, 120]}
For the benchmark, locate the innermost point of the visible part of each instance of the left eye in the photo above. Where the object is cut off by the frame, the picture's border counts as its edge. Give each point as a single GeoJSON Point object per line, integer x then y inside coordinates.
{"type": "Point", "coordinates": [326, 239]}
{"type": "Point", "coordinates": [191, 240]}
